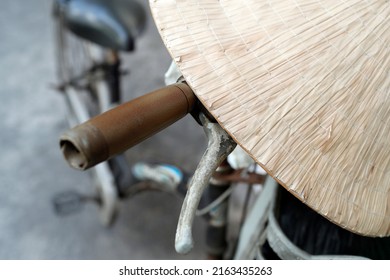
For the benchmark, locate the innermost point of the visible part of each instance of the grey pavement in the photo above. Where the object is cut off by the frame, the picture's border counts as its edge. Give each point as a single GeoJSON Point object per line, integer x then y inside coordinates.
{"type": "Point", "coordinates": [32, 170]}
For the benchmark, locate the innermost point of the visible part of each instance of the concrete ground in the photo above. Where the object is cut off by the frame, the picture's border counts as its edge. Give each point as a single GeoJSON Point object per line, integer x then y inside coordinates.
{"type": "Point", "coordinates": [32, 170]}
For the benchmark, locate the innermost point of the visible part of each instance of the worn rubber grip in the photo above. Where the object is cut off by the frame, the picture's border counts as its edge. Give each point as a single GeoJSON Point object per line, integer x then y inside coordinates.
{"type": "Point", "coordinates": [121, 128]}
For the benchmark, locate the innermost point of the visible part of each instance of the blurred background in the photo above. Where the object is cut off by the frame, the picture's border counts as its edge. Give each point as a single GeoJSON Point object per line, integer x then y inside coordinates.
{"type": "Point", "coordinates": [32, 170]}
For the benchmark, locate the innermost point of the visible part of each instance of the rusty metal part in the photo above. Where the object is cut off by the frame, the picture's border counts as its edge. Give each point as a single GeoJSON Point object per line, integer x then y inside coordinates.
{"type": "Point", "coordinates": [121, 128]}
{"type": "Point", "coordinates": [220, 145]}
{"type": "Point", "coordinates": [240, 176]}
{"type": "Point", "coordinates": [225, 174]}
{"type": "Point", "coordinates": [218, 177]}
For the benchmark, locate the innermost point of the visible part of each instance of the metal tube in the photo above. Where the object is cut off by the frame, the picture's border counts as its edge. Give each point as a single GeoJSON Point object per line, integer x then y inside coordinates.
{"type": "Point", "coordinates": [119, 129]}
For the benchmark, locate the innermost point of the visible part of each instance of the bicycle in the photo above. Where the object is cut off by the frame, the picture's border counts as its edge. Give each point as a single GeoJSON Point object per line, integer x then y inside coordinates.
{"type": "Point", "coordinates": [89, 36]}
{"type": "Point", "coordinates": [259, 227]}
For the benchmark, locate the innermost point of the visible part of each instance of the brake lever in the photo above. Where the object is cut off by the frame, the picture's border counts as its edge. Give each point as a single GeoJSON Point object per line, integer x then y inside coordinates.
{"type": "Point", "coordinates": [220, 145]}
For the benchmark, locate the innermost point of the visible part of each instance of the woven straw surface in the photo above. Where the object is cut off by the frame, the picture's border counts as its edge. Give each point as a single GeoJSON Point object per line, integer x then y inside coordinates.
{"type": "Point", "coordinates": [303, 87]}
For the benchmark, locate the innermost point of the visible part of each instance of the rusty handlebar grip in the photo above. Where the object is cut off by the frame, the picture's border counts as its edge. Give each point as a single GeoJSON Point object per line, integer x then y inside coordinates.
{"type": "Point", "coordinates": [119, 129]}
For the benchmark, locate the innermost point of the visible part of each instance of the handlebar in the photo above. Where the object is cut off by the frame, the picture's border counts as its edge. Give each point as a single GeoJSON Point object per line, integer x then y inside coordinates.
{"type": "Point", "coordinates": [123, 127]}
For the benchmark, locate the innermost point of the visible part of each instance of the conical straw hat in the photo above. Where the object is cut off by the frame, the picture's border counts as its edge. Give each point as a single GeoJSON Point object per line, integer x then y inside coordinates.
{"type": "Point", "coordinates": [303, 87]}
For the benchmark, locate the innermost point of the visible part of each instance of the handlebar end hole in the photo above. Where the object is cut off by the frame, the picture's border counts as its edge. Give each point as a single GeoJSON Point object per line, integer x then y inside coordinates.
{"type": "Point", "coordinates": [73, 155]}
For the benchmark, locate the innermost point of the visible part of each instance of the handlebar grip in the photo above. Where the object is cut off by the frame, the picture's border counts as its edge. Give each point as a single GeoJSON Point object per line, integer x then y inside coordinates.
{"type": "Point", "coordinates": [121, 128]}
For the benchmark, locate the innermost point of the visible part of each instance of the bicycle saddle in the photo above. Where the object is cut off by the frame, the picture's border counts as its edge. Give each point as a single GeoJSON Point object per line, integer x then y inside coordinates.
{"type": "Point", "coordinates": [113, 24]}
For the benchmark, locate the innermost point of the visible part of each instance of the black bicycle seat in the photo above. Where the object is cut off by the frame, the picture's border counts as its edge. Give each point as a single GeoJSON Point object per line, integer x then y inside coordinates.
{"type": "Point", "coordinates": [113, 24]}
